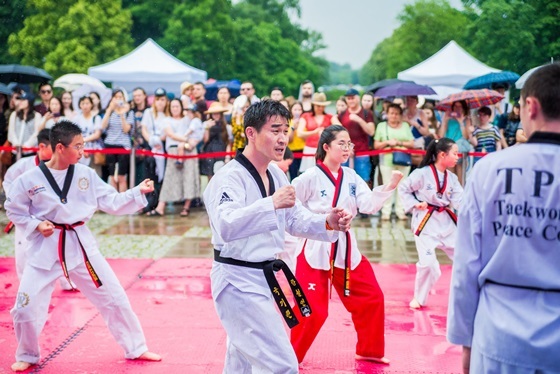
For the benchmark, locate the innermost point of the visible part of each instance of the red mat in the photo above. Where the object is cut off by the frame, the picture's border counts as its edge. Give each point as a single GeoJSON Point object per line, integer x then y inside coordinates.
{"type": "Point", "coordinates": [173, 301]}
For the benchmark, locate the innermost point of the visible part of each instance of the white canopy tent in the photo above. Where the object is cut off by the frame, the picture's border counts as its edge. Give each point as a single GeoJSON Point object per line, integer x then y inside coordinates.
{"type": "Point", "coordinates": [148, 66]}
{"type": "Point", "coordinates": [450, 67]}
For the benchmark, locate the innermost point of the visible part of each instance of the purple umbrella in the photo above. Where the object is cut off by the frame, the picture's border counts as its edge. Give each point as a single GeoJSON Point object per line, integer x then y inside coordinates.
{"type": "Point", "coordinates": [404, 89]}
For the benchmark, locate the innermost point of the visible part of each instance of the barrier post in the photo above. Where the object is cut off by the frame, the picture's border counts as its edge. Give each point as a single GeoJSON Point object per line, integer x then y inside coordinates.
{"type": "Point", "coordinates": [465, 163]}
{"type": "Point", "coordinates": [132, 169]}
{"type": "Point", "coordinates": [18, 153]}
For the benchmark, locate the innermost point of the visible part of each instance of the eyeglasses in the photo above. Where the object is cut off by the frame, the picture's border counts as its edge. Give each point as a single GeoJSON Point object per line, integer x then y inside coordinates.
{"type": "Point", "coordinates": [346, 146]}
{"type": "Point", "coordinates": [46, 91]}
{"type": "Point", "coordinates": [77, 147]}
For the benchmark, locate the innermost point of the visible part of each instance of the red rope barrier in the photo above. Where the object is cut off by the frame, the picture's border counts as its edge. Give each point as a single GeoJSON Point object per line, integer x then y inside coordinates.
{"type": "Point", "coordinates": [144, 152]}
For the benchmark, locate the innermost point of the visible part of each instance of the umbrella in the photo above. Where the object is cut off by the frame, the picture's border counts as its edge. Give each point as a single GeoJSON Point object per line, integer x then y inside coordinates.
{"type": "Point", "coordinates": [384, 83]}
{"type": "Point", "coordinates": [474, 99]}
{"type": "Point", "coordinates": [487, 80]}
{"type": "Point", "coordinates": [5, 89]}
{"type": "Point", "coordinates": [404, 89]}
{"type": "Point", "coordinates": [521, 81]}
{"type": "Point", "coordinates": [212, 86]}
{"type": "Point", "coordinates": [70, 82]}
{"type": "Point", "coordinates": [23, 74]}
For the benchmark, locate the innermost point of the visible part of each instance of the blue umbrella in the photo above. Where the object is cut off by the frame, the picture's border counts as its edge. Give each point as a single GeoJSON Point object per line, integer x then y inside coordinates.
{"type": "Point", "coordinates": [404, 89]}
{"type": "Point", "coordinates": [487, 80]}
{"type": "Point", "coordinates": [233, 85]}
{"type": "Point", "coordinates": [5, 90]}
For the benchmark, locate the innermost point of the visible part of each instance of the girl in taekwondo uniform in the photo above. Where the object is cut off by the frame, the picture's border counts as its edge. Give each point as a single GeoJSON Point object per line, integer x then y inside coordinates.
{"type": "Point", "coordinates": [430, 193]}
{"type": "Point", "coordinates": [326, 185]}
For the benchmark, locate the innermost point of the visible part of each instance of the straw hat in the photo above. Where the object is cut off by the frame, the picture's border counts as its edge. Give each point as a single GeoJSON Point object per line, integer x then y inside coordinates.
{"type": "Point", "coordinates": [216, 108]}
{"type": "Point", "coordinates": [185, 85]}
{"type": "Point", "coordinates": [319, 98]}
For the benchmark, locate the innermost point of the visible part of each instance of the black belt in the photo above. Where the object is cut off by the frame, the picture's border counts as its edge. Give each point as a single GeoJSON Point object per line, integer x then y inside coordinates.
{"type": "Point", "coordinates": [523, 287]}
{"type": "Point", "coordinates": [269, 268]}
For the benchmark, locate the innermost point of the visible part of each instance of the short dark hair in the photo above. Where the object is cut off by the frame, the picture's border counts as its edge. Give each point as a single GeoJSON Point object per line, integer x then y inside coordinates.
{"type": "Point", "coordinates": [394, 106]}
{"type": "Point", "coordinates": [544, 85]}
{"type": "Point", "coordinates": [327, 136]}
{"type": "Point", "coordinates": [84, 98]}
{"type": "Point", "coordinates": [485, 110]}
{"type": "Point", "coordinates": [43, 84]}
{"type": "Point", "coordinates": [44, 137]}
{"type": "Point", "coordinates": [64, 132]}
{"type": "Point", "coordinates": [259, 113]}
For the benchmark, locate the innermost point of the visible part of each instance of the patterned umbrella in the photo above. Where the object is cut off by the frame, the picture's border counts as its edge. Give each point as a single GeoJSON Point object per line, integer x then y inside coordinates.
{"type": "Point", "coordinates": [474, 99]}
{"type": "Point", "coordinates": [404, 89]}
{"type": "Point", "coordinates": [487, 80]}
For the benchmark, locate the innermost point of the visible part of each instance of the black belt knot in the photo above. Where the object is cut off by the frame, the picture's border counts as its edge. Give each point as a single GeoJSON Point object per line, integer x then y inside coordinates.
{"type": "Point", "coordinates": [269, 268]}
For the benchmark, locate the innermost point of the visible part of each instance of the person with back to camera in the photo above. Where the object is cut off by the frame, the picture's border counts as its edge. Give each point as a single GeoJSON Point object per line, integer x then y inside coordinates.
{"type": "Point", "coordinates": [251, 205]}
{"type": "Point", "coordinates": [430, 193]}
{"type": "Point", "coordinates": [504, 306]}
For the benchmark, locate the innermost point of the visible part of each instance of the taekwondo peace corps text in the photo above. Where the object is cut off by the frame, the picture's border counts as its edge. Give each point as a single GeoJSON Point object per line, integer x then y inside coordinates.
{"type": "Point", "coordinates": [542, 181]}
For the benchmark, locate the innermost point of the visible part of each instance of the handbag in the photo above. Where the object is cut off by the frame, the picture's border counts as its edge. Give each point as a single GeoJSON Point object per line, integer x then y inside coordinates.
{"type": "Point", "coordinates": [6, 157]}
{"type": "Point", "coordinates": [399, 158]}
{"type": "Point", "coordinates": [99, 158]}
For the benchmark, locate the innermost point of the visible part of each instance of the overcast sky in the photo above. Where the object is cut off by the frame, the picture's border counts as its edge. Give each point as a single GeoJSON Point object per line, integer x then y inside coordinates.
{"type": "Point", "coordinates": [352, 28]}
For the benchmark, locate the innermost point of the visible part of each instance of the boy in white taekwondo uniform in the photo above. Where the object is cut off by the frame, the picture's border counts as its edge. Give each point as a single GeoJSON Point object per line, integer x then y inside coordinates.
{"type": "Point", "coordinates": [251, 205]}
{"type": "Point", "coordinates": [430, 193]}
{"type": "Point", "coordinates": [326, 185]}
{"type": "Point", "coordinates": [58, 197]}
{"type": "Point", "coordinates": [505, 287]}
{"type": "Point", "coordinates": [24, 164]}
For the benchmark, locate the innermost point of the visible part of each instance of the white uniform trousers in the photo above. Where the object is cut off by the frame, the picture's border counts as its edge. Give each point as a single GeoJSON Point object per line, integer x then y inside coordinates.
{"type": "Point", "coordinates": [34, 294]}
{"type": "Point", "coordinates": [257, 341]}
{"type": "Point", "coordinates": [427, 267]}
{"type": "Point", "coordinates": [20, 249]}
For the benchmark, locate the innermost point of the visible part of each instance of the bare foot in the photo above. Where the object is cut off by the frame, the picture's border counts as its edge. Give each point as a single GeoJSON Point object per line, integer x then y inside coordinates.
{"type": "Point", "coordinates": [21, 366]}
{"type": "Point", "coordinates": [149, 356]}
{"type": "Point", "coordinates": [414, 304]}
{"type": "Point", "coordinates": [379, 360]}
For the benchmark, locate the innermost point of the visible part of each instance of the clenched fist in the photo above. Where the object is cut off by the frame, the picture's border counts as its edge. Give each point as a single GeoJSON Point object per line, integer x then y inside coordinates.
{"type": "Point", "coordinates": [284, 197]}
{"type": "Point", "coordinates": [339, 219]}
{"type": "Point", "coordinates": [396, 177]}
{"type": "Point", "coordinates": [46, 228]}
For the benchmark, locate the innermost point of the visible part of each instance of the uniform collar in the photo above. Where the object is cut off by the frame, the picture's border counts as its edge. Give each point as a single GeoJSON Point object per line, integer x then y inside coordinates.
{"type": "Point", "coordinates": [545, 137]}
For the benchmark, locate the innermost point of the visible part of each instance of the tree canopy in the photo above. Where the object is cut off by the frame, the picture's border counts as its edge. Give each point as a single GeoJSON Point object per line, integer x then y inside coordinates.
{"type": "Point", "coordinates": [69, 36]}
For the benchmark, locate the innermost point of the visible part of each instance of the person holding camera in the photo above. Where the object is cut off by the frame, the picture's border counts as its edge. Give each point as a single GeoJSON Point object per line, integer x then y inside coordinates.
{"type": "Point", "coordinates": [53, 114]}
{"type": "Point", "coordinates": [117, 124]}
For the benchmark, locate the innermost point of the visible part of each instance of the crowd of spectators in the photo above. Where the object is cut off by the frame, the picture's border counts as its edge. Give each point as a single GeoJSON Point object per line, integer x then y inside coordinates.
{"type": "Point", "coordinates": [189, 125]}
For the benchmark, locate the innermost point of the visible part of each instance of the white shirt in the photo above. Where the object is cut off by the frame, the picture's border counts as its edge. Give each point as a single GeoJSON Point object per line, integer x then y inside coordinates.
{"type": "Point", "coordinates": [245, 226]}
{"type": "Point", "coordinates": [509, 232]}
{"type": "Point", "coordinates": [316, 192]}
{"type": "Point", "coordinates": [31, 200]}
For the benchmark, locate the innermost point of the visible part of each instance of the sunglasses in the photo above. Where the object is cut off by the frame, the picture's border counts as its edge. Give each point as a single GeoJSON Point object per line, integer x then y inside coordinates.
{"type": "Point", "coordinates": [46, 91]}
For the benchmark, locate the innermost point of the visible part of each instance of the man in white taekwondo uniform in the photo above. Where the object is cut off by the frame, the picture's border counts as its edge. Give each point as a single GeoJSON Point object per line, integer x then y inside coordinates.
{"type": "Point", "coordinates": [251, 205]}
{"type": "Point", "coordinates": [505, 293]}
{"type": "Point", "coordinates": [58, 197]}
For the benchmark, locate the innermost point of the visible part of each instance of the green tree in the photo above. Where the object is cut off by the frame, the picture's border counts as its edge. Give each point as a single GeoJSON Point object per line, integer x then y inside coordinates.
{"type": "Point", "coordinates": [252, 40]}
{"type": "Point", "coordinates": [515, 34]}
{"type": "Point", "coordinates": [12, 14]}
{"type": "Point", "coordinates": [425, 27]}
{"type": "Point", "coordinates": [70, 36]}
{"type": "Point", "coordinates": [149, 18]}
{"type": "Point", "coordinates": [201, 35]}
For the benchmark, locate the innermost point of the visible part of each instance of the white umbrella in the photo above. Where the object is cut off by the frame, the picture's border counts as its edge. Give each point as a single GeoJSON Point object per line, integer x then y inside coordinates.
{"type": "Point", "coordinates": [70, 82]}
{"type": "Point", "coordinates": [85, 89]}
{"type": "Point", "coordinates": [521, 81]}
